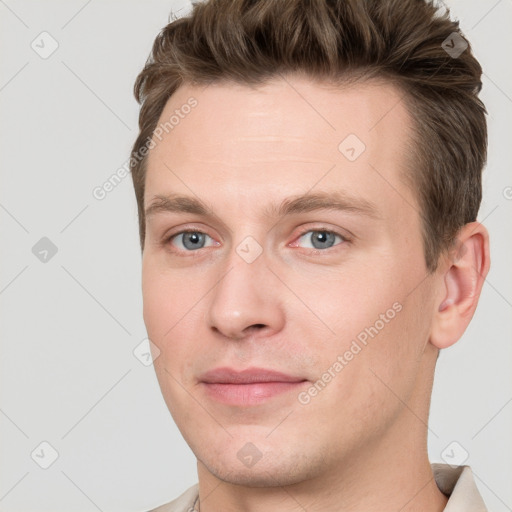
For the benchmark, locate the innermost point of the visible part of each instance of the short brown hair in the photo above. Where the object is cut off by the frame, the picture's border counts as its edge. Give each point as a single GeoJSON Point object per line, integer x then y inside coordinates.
{"type": "Point", "coordinates": [403, 41]}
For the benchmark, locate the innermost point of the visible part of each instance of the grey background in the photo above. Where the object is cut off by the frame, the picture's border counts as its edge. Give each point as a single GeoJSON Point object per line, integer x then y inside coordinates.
{"type": "Point", "coordinates": [69, 325]}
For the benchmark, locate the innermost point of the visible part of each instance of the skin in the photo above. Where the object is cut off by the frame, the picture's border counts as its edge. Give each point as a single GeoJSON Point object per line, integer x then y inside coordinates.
{"type": "Point", "coordinates": [361, 442]}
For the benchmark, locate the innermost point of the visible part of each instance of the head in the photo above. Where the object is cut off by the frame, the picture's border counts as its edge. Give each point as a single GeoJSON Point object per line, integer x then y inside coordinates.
{"type": "Point", "coordinates": [326, 160]}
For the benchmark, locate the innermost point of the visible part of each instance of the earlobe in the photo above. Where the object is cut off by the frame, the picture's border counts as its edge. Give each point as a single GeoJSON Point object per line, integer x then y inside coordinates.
{"type": "Point", "coordinates": [465, 269]}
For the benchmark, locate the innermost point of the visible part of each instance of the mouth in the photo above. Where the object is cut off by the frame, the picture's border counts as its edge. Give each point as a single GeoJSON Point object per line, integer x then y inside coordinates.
{"type": "Point", "coordinates": [251, 386]}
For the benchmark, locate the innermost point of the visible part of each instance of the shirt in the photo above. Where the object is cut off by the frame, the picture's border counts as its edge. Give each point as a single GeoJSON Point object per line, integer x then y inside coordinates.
{"type": "Point", "coordinates": [457, 482]}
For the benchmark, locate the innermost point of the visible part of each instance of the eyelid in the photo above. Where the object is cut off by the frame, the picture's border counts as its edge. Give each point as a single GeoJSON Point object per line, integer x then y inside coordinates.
{"type": "Point", "coordinates": [183, 229]}
{"type": "Point", "coordinates": [326, 229]}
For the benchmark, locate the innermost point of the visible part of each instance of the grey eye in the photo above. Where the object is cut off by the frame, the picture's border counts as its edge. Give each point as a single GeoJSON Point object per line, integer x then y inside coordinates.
{"type": "Point", "coordinates": [191, 240]}
{"type": "Point", "coordinates": [320, 239]}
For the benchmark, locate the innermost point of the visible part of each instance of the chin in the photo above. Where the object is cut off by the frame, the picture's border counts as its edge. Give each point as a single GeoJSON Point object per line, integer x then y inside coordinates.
{"type": "Point", "coordinates": [273, 470]}
{"type": "Point", "coordinates": [263, 477]}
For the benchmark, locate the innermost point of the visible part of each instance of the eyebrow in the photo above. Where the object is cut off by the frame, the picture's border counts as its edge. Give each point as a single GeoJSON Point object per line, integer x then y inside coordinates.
{"type": "Point", "coordinates": [334, 200]}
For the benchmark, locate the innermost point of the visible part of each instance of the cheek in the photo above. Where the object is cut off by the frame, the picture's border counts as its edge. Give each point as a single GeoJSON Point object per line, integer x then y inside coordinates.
{"type": "Point", "coordinates": [378, 332]}
{"type": "Point", "coordinates": [362, 396]}
{"type": "Point", "coordinates": [349, 302]}
{"type": "Point", "coordinates": [172, 314]}
{"type": "Point", "coordinates": [155, 304]}
{"type": "Point", "coordinates": [166, 295]}
{"type": "Point", "coordinates": [393, 360]}
{"type": "Point", "coordinates": [163, 302]}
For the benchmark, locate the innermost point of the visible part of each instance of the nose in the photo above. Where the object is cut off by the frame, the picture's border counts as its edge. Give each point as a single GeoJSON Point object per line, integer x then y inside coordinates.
{"type": "Point", "coordinates": [246, 301]}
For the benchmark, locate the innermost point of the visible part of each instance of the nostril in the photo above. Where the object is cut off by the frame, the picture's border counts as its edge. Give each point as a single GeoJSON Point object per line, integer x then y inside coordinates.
{"type": "Point", "coordinates": [254, 327]}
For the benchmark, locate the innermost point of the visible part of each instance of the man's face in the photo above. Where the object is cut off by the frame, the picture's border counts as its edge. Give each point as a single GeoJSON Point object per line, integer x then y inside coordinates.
{"type": "Point", "coordinates": [334, 298]}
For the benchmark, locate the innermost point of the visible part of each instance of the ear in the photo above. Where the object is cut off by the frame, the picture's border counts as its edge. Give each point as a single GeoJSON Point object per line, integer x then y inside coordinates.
{"type": "Point", "coordinates": [464, 270]}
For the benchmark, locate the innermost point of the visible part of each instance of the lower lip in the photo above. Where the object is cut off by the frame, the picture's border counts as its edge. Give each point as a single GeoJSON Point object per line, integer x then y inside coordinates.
{"type": "Point", "coordinates": [249, 394]}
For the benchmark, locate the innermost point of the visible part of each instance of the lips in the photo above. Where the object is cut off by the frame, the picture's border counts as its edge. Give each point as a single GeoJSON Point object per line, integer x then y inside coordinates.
{"type": "Point", "coordinates": [250, 386]}
{"type": "Point", "coordinates": [247, 376]}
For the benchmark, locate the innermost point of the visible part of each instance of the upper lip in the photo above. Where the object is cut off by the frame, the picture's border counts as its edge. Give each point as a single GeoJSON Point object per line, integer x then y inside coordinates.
{"type": "Point", "coordinates": [247, 376]}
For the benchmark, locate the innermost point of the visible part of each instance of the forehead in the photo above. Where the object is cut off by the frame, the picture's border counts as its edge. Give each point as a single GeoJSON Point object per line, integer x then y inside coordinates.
{"type": "Point", "coordinates": [282, 136]}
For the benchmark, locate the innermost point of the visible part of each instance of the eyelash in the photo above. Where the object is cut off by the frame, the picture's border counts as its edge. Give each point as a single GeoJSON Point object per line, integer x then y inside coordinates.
{"type": "Point", "coordinates": [167, 240]}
